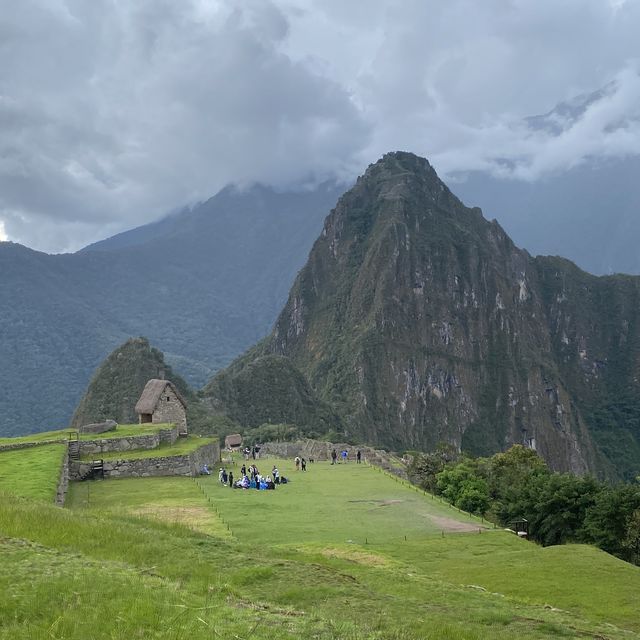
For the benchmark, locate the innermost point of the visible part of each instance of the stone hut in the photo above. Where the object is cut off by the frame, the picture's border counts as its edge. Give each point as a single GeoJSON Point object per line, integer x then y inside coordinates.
{"type": "Point", "coordinates": [233, 441]}
{"type": "Point", "coordinates": [162, 402]}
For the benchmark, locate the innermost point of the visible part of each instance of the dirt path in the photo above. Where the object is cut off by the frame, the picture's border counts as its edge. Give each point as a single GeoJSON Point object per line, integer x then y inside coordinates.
{"type": "Point", "coordinates": [449, 524]}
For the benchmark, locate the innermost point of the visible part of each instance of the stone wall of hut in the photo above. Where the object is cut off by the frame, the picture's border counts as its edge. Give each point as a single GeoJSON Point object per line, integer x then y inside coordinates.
{"type": "Point", "coordinates": [170, 409]}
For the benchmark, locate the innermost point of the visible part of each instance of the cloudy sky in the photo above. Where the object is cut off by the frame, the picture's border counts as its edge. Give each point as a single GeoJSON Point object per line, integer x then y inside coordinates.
{"type": "Point", "coordinates": [114, 112]}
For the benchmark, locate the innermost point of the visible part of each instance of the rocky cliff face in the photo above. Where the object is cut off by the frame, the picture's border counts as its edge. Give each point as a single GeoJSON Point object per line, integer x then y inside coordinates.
{"type": "Point", "coordinates": [419, 321]}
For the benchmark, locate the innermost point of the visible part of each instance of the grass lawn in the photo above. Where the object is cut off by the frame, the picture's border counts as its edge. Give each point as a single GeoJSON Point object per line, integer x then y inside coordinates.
{"type": "Point", "coordinates": [32, 473]}
{"type": "Point", "coordinates": [181, 446]}
{"type": "Point", "coordinates": [121, 431]}
{"type": "Point", "coordinates": [94, 570]}
{"type": "Point", "coordinates": [45, 436]}
{"type": "Point", "coordinates": [335, 503]}
{"type": "Point", "coordinates": [176, 500]}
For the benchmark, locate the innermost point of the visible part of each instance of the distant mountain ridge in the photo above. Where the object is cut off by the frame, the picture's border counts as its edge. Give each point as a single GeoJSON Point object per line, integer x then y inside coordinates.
{"type": "Point", "coordinates": [419, 321]}
{"type": "Point", "coordinates": [203, 285]}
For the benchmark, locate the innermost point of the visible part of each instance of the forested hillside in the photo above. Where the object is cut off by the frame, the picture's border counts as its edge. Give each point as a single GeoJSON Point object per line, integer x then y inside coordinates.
{"type": "Point", "coordinates": [202, 285]}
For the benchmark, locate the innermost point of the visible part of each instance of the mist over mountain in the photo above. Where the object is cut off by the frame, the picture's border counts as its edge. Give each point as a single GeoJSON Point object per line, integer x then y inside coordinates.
{"type": "Point", "coordinates": [202, 285]}
{"type": "Point", "coordinates": [589, 212]}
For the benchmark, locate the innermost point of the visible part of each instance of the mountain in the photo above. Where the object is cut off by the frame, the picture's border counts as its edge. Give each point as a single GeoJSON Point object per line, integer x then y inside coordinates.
{"type": "Point", "coordinates": [419, 321]}
{"type": "Point", "coordinates": [118, 382]}
{"type": "Point", "coordinates": [203, 285]}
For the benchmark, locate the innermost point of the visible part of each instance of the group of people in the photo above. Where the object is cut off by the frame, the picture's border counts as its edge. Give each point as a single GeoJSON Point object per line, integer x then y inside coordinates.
{"type": "Point", "coordinates": [251, 478]}
{"type": "Point", "coordinates": [253, 452]}
{"type": "Point", "coordinates": [301, 463]}
{"type": "Point", "coordinates": [344, 456]}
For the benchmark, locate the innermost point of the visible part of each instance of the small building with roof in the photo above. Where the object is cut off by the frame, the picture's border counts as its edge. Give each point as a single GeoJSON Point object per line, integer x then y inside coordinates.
{"type": "Point", "coordinates": [233, 441]}
{"type": "Point", "coordinates": [162, 402]}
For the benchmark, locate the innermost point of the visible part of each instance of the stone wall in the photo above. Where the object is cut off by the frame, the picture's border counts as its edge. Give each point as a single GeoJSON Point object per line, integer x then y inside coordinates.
{"type": "Point", "coordinates": [63, 482]}
{"type": "Point", "coordinates": [184, 465]}
{"type": "Point", "coordinates": [170, 409]}
{"type": "Point", "coordinates": [99, 427]}
{"type": "Point", "coordinates": [127, 443]}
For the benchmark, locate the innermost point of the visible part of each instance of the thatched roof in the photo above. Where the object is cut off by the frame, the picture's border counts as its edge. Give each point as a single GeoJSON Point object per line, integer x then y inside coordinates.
{"type": "Point", "coordinates": [233, 440]}
{"type": "Point", "coordinates": [151, 394]}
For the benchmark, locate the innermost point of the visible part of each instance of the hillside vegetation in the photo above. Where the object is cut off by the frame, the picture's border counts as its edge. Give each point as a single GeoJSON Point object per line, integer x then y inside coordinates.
{"type": "Point", "coordinates": [202, 285]}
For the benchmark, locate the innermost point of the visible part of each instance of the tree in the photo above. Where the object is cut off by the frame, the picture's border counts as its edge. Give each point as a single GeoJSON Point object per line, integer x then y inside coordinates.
{"type": "Point", "coordinates": [463, 486]}
{"type": "Point", "coordinates": [425, 467]}
{"type": "Point", "coordinates": [607, 521]}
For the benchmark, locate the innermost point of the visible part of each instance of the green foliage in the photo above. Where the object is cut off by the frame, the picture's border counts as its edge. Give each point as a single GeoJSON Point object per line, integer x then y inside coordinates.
{"type": "Point", "coordinates": [559, 508]}
{"type": "Point", "coordinates": [609, 521]}
{"type": "Point", "coordinates": [271, 433]}
{"type": "Point", "coordinates": [268, 389]}
{"type": "Point", "coordinates": [463, 486]}
{"type": "Point", "coordinates": [425, 467]}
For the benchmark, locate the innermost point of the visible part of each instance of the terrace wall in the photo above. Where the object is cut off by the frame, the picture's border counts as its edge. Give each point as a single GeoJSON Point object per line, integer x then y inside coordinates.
{"type": "Point", "coordinates": [63, 482]}
{"type": "Point", "coordinates": [127, 443]}
{"type": "Point", "coordinates": [183, 465]}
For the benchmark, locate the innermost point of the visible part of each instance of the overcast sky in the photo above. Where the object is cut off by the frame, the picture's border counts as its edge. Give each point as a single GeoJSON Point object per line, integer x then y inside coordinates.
{"type": "Point", "coordinates": [114, 112]}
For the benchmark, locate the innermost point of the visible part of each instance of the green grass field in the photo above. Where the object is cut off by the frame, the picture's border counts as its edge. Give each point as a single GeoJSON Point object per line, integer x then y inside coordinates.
{"type": "Point", "coordinates": [33, 472]}
{"type": "Point", "coordinates": [121, 431]}
{"type": "Point", "coordinates": [335, 503]}
{"type": "Point", "coordinates": [324, 557]}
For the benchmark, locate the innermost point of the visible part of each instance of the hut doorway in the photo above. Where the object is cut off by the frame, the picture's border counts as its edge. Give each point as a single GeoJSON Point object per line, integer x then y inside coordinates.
{"type": "Point", "coordinates": [145, 417]}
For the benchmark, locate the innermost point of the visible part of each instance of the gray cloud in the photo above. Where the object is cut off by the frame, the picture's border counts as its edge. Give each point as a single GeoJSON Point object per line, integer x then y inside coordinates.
{"type": "Point", "coordinates": [113, 113]}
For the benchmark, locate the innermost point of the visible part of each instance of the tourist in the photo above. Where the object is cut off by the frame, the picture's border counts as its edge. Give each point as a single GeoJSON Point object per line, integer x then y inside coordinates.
{"type": "Point", "coordinates": [297, 461]}
{"type": "Point", "coordinates": [243, 470]}
{"type": "Point", "coordinates": [358, 457]}
{"type": "Point", "coordinates": [205, 470]}
{"type": "Point", "coordinates": [345, 456]}
{"type": "Point", "coordinates": [276, 474]}
{"type": "Point", "coordinates": [231, 479]}
{"type": "Point", "coordinates": [334, 455]}
{"type": "Point", "coordinates": [224, 477]}
{"type": "Point", "coordinates": [220, 474]}
{"type": "Point", "coordinates": [303, 464]}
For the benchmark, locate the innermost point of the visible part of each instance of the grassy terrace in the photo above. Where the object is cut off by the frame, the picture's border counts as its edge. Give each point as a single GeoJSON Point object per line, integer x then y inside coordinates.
{"type": "Point", "coordinates": [351, 503]}
{"type": "Point", "coordinates": [181, 446]}
{"type": "Point", "coordinates": [121, 431]}
{"type": "Point", "coordinates": [32, 473]}
{"type": "Point", "coordinates": [294, 567]}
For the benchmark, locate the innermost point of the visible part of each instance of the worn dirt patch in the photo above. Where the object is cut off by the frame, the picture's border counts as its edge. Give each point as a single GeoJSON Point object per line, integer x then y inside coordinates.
{"type": "Point", "coordinates": [382, 503]}
{"type": "Point", "coordinates": [359, 557]}
{"type": "Point", "coordinates": [196, 518]}
{"type": "Point", "coordinates": [449, 524]}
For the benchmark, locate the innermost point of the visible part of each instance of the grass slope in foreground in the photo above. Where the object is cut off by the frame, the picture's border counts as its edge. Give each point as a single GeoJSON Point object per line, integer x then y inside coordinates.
{"type": "Point", "coordinates": [103, 569]}
{"type": "Point", "coordinates": [33, 472]}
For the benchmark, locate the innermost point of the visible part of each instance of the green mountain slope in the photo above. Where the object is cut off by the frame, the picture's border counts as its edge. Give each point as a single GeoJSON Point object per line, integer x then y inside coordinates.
{"type": "Point", "coordinates": [118, 382]}
{"type": "Point", "coordinates": [419, 321]}
{"type": "Point", "coordinates": [203, 285]}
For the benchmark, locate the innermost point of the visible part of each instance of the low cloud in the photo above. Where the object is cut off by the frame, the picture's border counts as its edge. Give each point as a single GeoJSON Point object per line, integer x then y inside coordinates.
{"type": "Point", "coordinates": [113, 113]}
